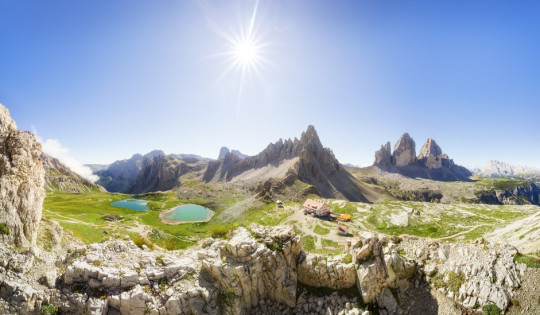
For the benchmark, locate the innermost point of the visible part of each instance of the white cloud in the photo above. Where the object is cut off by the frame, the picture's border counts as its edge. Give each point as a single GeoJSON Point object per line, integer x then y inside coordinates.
{"type": "Point", "coordinates": [55, 149]}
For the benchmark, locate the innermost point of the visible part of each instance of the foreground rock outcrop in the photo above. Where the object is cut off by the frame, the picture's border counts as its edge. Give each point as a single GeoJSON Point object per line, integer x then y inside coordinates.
{"type": "Point", "coordinates": [259, 270]}
{"type": "Point", "coordinates": [21, 183]}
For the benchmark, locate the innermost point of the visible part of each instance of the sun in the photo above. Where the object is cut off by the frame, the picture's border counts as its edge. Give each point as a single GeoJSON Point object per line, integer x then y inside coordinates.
{"type": "Point", "coordinates": [245, 52]}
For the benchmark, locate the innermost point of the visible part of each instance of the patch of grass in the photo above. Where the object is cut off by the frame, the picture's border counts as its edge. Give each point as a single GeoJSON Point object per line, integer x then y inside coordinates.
{"type": "Point", "coordinates": [159, 260]}
{"type": "Point", "coordinates": [347, 259]}
{"type": "Point", "coordinates": [320, 230]}
{"type": "Point", "coordinates": [437, 281]}
{"type": "Point", "coordinates": [221, 231]}
{"type": "Point", "coordinates": [140, 240]}
{"type": "Point", "coordinates": [455, 280]}
{"type": "Point", "coordinates": [308, 242]}
{"type": "Point", "coordinates": [491, 309]}
{"type": "Point", "coordinates": [531, 262]}
{"type": "Point", "coordinates": [4, 229]}
{"type": "Point", "coordinates": [97, 262]}
{"type": "Point", "coordinates": [275, 247]}
{"type": "Point", "coordinates": [225, 300]}
{"type": "Point", "coordinates": [48, 309]}
{"type": "Point", "coordinates": [329, 243]}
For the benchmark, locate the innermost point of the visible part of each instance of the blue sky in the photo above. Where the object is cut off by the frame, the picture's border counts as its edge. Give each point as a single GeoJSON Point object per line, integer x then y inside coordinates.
{"type": "Point", "coordinates": [108, 79]}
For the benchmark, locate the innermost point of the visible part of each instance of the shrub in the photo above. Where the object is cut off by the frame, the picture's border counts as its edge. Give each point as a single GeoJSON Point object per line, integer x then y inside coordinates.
{"type": "Point", "coordinates": [491, 309]}
{"type": "Point", "coordinates": [455, 280]}
{"type": "Point", "coordinates": [49, 309]}
{"type": "Point", "coordinates": [97, 262]}
{"type": "Point", "coordinates": [347, 259]}
{"type": "Point", "coordinates": [4, 229]}
{"type": "Point", "coordinates": [220, 231]}
{"type": "Point", "coordinates": [159, 260]}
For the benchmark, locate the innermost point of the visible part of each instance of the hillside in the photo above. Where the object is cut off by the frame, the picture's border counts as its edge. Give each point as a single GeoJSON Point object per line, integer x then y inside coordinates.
{"type": "Point", "coordinates": [59, 177]}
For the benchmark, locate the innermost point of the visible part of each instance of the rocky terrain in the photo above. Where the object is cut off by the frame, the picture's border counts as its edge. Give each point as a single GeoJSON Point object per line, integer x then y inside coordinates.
{"type": "Point", "coordinates": [260, 270]}
{"type": "Point", "coordinates": [21, 183]}
{"type": "Point", "coordinates": [60, 177]}
{"type": "Point", "coordinates": [431, 162]}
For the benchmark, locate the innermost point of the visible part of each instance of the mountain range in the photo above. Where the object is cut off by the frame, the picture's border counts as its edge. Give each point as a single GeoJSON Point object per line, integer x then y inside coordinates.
{"type": "Point", "coordinates": [496, 168]}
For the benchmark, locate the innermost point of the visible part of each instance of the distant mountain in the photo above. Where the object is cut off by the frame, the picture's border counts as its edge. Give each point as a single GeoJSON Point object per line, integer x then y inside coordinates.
{"type": "Point", "coordinates": [224, 151]}
{"type": "Point", "coordinates": [59, 177]}
{"type": "Point", "coordinates": [431, 162]}
{"type": "Point", "coordinates": [154, 171]}
{"type": "Point", "coordinates": [97, 167]}
{"type": "Point", "coordinates": [496, 168]}
{"type": "Point", "coordinates": [305, 159]}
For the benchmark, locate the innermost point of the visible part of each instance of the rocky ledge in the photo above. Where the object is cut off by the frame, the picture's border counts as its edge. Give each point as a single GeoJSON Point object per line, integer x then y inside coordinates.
{"type": "Point", "coordinates": [259, 270]}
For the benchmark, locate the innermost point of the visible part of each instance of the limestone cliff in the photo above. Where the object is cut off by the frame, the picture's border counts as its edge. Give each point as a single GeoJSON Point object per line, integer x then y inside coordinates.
{"type": "Point", "coordinates": [431, 154]}
{"type": "Point", "coordinates": [21, 183]}
{"type": "Point", "coordinates": [404, 151]}
{"type": "Point", "coordinates": [383, 156]}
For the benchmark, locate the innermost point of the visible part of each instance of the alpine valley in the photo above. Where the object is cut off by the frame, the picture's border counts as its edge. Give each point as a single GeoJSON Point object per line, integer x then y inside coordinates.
{"type": "Point", "coordinates": [414, 233]}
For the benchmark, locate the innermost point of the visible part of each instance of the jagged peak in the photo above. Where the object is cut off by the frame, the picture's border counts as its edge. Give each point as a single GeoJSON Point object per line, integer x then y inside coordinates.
{"type": "Point", "coordinates": [154, 154]}
{"type": "Point", "coordinates": [310, 136]}
{"type": "Point", "coordinates": [430, 147]}
{"type": "Point", "coordinates": [223, 152]}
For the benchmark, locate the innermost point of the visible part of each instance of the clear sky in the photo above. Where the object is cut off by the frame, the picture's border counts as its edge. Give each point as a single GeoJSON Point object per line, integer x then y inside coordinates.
{"type": "Point", "coordinates": [108, 79]}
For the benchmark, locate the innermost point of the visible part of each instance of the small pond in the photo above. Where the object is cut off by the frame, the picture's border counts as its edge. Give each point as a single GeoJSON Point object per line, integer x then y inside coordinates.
{"type": "Point", "coordinates": [132, 204]}
{"type": "Point", "coordinates": [189, 213]}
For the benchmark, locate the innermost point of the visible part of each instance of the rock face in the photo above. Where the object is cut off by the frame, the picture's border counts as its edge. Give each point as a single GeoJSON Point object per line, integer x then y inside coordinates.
{"type": "Point", "coordinates": [431, 162]}
{"type": "Point", "coordinates": [224, 151]}
{"type": "Point", "coordinates": [404, 151]}
{"type": "Point", "coordinates": [120, 176]}
{"type": "Point", "coordinates": [21, 183]}
{"type": "Point", "coordinates": [431, 154]}
{"type": "Point", "coordinates": [305, 159]}
{"type": "Point", "coordinates": [319, 271]}
{"type": "Point", "coordinates": [60, 177]}
{"type": "Point", "coordinates": [383, 156]}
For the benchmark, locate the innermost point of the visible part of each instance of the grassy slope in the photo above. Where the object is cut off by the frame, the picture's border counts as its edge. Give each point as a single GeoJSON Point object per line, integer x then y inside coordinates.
{"type": "Point", "coordinates": [83, 215]}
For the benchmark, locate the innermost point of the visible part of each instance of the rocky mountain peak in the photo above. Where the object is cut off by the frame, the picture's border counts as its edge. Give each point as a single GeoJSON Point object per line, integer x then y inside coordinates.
{"type": "Point", "coordinates": [383, 156]}
{"type": "Point", "coordinates": [222, 152]}
{"type": "Point", "coordinates": [311, 138]}
{"type": "Point", "coordinates": [404, 151]}
{"type": "Point", "coordinates": [431, 154]}
{"type": "Point", "coordinates": [153, 154]}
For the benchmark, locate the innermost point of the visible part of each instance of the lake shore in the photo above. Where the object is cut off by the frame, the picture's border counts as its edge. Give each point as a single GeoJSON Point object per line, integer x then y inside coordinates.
{"type": "Point", "coordinates": [164, 214]}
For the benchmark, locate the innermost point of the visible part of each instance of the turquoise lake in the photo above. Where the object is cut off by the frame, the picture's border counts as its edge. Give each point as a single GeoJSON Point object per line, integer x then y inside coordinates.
{"type": "Point", "coordinates": [132, 204]}
{"type": "Point", "coordinates": [190, 213]}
